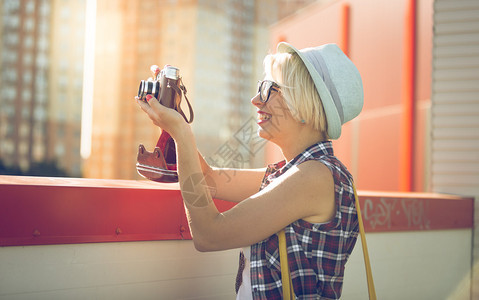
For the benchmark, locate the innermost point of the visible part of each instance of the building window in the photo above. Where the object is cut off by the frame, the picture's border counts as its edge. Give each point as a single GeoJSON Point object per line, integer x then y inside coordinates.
{"type": "Point", "coordinates": [40, 85]}
{"type": "Point", "coordinates": [62, 83]}
{"type": "Point", "coordinates": [10, 75]}
{"type": "Point", "coordinates": [39, 114]}
{"type": "Point", "coordinates": [29, 25]}
{"type": "Point", "coordinates": [30, 7]}
{"type": "Point", "coordinates": [26, 113]}
{"type": "Point", "coordinates": [64, 30]}
{"type": "Point", "coordinates": [28, 42]}
{"type": "Point", "coordinates": [9, 110]}
{"type": "Point", "coordinates": [9, 56]}
{"type": "Point", "coordinates": [27, 59]}
{"type": "Point", "coordinates": [61, 116]}
{"type": "Point", "coordinates": [9, 92]}
{"type": "Point", "coordinates": [79, 67]}
{"type": "Point", "coordinates": [27, 77]}
{"type": "Point", "coordinates": [42, 60]}
{"type": "Point", "coordinates": [11, 39]}
{"type": "Point", "coordinates": [11, 21]}
{"type": "Point", "coordinates": [43, 28]}
{"type": "Point", "coordinates": [59, 150]}
{"type": "Point", "coordinates": [38, 151]}
{"type": "Point", "coordinates": [65, 12]}
{"type": "Point", "coordinates": [8, 147]}
{"type": "Point", "coordinates": [23, 133]}
{"type": "Point", "coordinates": [44, 9]}
{"type": "Point", "coordinates": [11, 6]}
{"type": "Point", "coordinates": [63, 64]}
{"type": "Point", "coordinates": [26, 95]}
{"type": "Point", "coordinates": [41, 98]}
{"type": "Point", "coordinates": [24, 163]}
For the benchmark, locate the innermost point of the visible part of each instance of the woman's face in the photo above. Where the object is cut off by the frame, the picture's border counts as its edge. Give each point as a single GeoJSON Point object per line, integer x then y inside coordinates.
{"type": "Point", "coordinates": [274, 118]}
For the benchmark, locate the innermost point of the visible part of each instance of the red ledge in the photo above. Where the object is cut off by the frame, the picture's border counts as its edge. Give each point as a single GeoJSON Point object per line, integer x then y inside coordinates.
{"type": "Point", "coordinates": [43, 211]}
{"type": "Point", "coordinates": [387, 211]}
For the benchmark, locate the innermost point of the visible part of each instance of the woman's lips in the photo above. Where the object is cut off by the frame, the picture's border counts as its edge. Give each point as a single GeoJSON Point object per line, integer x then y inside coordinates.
{"type": "Point", "coordinates": [263, 117]}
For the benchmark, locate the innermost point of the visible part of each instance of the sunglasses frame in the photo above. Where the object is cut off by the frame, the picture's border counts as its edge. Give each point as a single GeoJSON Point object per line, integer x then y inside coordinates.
{"type": "Point", "coordinates": [271, 86]}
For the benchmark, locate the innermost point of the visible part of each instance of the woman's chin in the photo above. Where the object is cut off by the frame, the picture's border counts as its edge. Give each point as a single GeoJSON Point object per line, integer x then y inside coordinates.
{"type": "Point", "coordinates": [262, 133]}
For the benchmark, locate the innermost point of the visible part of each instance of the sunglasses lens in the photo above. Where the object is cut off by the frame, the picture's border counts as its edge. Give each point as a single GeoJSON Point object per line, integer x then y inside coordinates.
{"type": "Point", "coordinates": [264, 90]}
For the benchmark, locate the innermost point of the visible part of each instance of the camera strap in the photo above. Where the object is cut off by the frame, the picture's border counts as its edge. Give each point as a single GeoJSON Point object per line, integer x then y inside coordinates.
{"type": "Point", "coordinates": [181, 90]}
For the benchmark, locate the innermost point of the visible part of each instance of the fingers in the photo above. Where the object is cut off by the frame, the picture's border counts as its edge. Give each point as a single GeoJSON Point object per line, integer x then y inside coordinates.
{"type": "Point", "coordinates": [143, 105]}
{"type": "Point", "coordinates": [160, 115]}
{"type": "Point", "coordinates": [155, 104]}
{"type": "Point", "coordinates": [150, 106]}
{"type": "Point", "coordinates": [154, 116]}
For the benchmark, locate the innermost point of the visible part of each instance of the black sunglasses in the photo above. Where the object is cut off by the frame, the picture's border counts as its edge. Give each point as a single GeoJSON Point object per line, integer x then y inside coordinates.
{"type": "Point", "coordinates": [264, 89]}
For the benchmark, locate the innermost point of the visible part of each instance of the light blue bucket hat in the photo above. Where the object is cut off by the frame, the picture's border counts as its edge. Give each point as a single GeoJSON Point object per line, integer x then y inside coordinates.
{"type": "Point", "coordinates": [337, 81]}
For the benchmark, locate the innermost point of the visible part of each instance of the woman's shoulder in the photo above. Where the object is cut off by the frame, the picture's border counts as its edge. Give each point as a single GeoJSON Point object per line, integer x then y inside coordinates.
{"type": "Point", "coordinates": [314, 167]}
{"type": "Point", "coordinates": [318, 191]}
{"type": "Point", "coordinates": [333, 164]}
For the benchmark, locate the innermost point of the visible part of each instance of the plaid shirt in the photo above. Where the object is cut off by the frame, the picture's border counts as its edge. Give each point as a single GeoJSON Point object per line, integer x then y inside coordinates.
{"type": "Point", "coordinates": [317, 253]}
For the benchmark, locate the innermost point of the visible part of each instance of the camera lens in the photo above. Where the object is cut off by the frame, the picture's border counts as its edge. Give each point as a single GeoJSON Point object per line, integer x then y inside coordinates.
{"type": "Point", "coordinates": [148, 88]}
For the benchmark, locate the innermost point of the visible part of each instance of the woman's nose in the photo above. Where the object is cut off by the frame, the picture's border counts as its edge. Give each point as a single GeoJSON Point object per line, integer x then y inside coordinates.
{"type": "Point", "coordinates": [256, 101]}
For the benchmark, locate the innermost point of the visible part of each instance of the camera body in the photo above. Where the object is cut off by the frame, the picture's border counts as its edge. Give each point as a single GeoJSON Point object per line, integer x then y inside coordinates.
{"type": "Point", "coordinates": [164, 86]}
{"type": "Point", "coordinates": [167, 87]}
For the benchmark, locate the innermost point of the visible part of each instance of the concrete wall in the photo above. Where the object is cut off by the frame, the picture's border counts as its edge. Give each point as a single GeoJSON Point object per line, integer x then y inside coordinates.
{"type": "Point", "coordinates": [418, 265]}
{"type": "Point", "coordinates": [133, 270]}
{"type": "Point", "coordinates": [406, 265]}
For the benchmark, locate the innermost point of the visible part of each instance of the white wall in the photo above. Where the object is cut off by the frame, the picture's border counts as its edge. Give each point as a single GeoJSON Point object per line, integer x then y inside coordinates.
{"type": "Point", "coordinates": [412, 265]}
{"type": "Point", "coordinates": [406, 265]}
{"type": "Point", "coordinates": [133, 270]}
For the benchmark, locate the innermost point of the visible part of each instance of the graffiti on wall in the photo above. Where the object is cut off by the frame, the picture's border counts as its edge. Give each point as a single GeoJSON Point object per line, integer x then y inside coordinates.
{"type": "Point", "coordinates": [391, 213]}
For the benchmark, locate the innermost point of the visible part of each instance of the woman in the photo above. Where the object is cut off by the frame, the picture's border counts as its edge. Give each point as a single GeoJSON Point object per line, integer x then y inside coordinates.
{"type": "Point", "coordinates": [303, 101]}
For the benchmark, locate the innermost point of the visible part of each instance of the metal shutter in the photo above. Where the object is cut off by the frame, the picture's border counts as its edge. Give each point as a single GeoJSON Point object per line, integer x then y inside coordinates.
{"type": "Point", "coordinates": [455, 98]}
{"type": "Point", "coordinates": [455, 107]}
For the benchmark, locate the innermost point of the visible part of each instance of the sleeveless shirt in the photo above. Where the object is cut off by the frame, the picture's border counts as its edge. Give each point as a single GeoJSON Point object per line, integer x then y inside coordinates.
{"type": "Point", "coordinates": [317, 253]}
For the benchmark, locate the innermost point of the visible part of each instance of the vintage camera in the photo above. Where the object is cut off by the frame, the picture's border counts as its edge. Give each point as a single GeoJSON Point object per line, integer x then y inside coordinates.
{"type": "Point", "coordinates": [164, 86]}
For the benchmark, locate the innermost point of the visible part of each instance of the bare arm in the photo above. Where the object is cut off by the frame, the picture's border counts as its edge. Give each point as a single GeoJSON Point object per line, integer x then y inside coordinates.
{"type": "Point", "coordinates": [303, 192]}
{"type": "Point", "coordinates": [232, 185]}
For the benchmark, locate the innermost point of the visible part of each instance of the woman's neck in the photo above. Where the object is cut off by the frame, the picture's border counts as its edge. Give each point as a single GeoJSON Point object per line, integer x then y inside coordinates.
{"type": "Point", "coordinates": [301, 142]}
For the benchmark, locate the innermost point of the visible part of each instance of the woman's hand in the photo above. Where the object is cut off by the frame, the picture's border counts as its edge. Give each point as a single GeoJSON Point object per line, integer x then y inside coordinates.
{"type": "Point", "coordinates": [166, 118]}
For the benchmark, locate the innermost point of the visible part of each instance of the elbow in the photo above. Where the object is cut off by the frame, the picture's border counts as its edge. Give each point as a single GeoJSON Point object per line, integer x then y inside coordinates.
{"type": "Point", "coordinates": [205, 245]}
{"type": "Point", "coordinates": [208, 235]}
{"type": "Point", "coordinates": [200, 246]}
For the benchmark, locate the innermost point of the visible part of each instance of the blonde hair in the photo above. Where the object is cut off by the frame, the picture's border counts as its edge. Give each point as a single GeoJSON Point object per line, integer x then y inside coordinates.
{"type": "Point", "coordinates": [297, 88]}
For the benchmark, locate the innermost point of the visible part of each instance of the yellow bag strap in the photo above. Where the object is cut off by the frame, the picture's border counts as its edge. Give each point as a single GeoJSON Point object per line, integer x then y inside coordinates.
{"type": "Point", "coordinates": [367, 264]}
{"type": "Point", "coordinates": [288, 292]}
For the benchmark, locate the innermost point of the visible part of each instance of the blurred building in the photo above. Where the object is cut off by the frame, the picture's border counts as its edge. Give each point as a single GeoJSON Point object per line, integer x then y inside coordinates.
{"type": "Point", "coordinates": [218, 46]}
{"type": "Point", "coordinates": [41, 82]}
{"type": "Point", "coordinates": [66, 83]}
